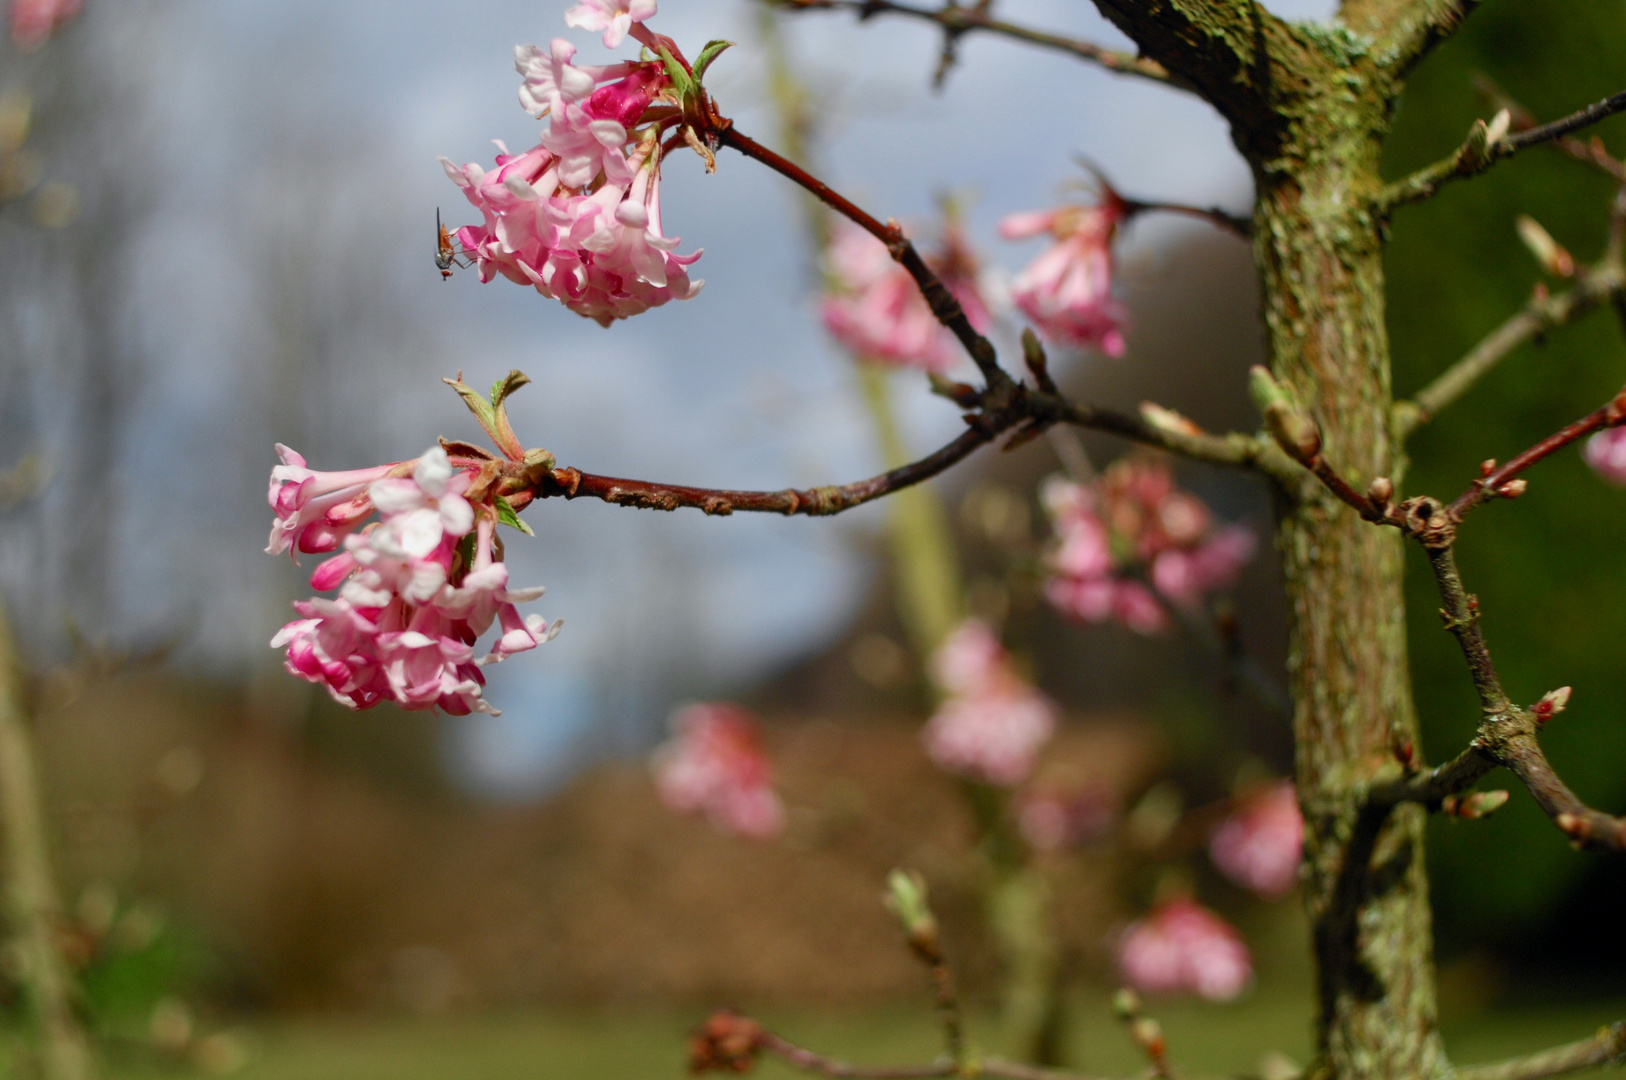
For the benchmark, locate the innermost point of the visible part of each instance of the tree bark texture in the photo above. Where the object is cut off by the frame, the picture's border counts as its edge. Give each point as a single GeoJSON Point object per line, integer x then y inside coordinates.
{"type": "Point", "coordinates": [1309, 106]}
{"type": "Point", "coordinates": [1319, 251]}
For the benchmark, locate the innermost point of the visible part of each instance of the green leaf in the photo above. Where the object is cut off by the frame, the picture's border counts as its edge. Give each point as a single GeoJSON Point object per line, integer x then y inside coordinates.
{"type": "Point", "coordinates": [712, 50]}
{"type": "Point", "coordinates": [682, 81]}
{"type": "Point", "coordinates": [507, 516]}
{"type": "Point", "coordinates": [505, 386]}
{"type": "Point", "coordinates": [465, 550]}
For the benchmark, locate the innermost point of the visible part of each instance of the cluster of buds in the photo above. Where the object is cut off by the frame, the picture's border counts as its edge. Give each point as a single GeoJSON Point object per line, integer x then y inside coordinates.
{"type": "Point", "coordinates": [992, 723]}
{"type": "Point", "coordinates": [1182, 947]}
{"type": "Point", "coordinates": [1259, 846]}
{"type": "Point", "coordinates": [418, 586]}
{"type": "Point", "coordinates": [714, 764]}
{"type": "Point", "coordinates": [578, 215]}
{"type": "Point", "coordinates": [875, 309]}
{"type": "Point", "coordinates": [1133, 541]}
{"type": "Point", "coordinates": [1067, 290]}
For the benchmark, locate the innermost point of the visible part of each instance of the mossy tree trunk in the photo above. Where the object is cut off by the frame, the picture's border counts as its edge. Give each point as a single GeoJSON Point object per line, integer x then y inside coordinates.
{"type": "Point", "coordinates": [1309, 107]}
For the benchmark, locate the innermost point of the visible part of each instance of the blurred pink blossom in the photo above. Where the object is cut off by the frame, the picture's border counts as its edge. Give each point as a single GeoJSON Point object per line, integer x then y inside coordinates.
{"type": "Point", "coordinates": [1606, 453]}
{"type": "Point", "coordinates": [34, 21]}
{"type": "Point", "coordinates": [1183, 947]}
{"type": "Point", "coordinates": [1132, 543]}
{"type": "Point", "coordinates": [1259, 846]}
{"type": "Point", "coordinates": [1067, 290]}
{"type": "Point", "coordinates": [1052, 820]}
{"type": "Point", "coordinates": [614, 17]}
{"type": "Point", "coordinates": [408, 613]}
{"type": "Point", "coordinates": [992, 723]}
{"type": "Point", "coordinates": [714, 763]}
{"type": "Point", "coordinates": [876, 310]}
{"type": "Point", "coordinates": [578, 216]}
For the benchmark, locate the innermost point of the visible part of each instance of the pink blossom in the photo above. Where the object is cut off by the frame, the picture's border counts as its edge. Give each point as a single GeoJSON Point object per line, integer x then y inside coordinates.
{"type": "Point", "coordinates": [1185, 948]}
{"type": "Point", "coordinates": [34, 21]}
{"type": "Point", "coordinates": [992, 724]}
{"type": "Point", "coordinates": [1260, 845]}
{"type": "Point", "coordinates": [1067, 290]}
{"type": "Point", "coordinates": [614, 17]}
{"type": "Point", "coordinates": [1606, 453]}
{"type": "Point", "coordinates": [577, 217]}
{"type": "Point", "coordinates": [408, 613]}
{"type": "Point", "coordinates": [1052, 820]}
{"type": "Point", "coordinates": [1131, 543]}
{"type": "Point", "coordinates": [876, 310]}
{"type": "Point", "coordinates": [315, 510]}
{"type": "Point", "coordinates": [714, 763]}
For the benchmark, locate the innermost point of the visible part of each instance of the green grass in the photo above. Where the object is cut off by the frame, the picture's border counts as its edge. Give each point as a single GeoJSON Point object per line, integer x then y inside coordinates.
{"type": "Point", "coordinates": [649, 1045]}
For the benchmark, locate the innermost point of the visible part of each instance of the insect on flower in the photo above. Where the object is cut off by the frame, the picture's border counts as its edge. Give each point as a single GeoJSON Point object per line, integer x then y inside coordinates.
{"type": "Point", "coordinates": [446, 254]}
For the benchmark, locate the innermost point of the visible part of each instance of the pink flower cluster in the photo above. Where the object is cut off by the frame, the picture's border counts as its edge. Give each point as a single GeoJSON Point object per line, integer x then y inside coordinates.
{"type": "Point", "coordinates": [1259, 846]}
{"type": "Point", "coordinates": [410, 603]}
{"type": "Point", "coordinates": [1606, 453]}
{"type": "Point", "coordinates": [34, 21]}
{"type": "Point", "coordinates": [1067, 290]}
{"type": "Point", "coordinates": [876, 310]}
{"type": "Point", "coordinates": [1133, 523]}
{"type": "Point", "coordinates": [714, 763]}
{"type": "Point", "coordinates": [1183, 947]}
{"type": "Point", "coordinates": [992, 724]}
{"type": "Point", "coordinates": [578, 215]}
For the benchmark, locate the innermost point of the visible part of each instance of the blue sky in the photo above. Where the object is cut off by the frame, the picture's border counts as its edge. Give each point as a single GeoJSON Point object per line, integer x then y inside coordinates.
{"type": "Point", "coordinates": [314, 128]}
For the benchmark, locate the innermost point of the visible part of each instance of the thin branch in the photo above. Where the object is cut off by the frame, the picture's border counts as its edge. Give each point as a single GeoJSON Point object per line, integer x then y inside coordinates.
{"type": "Point", "coordinates": [942, 302]}
{"type": "Point", "coordinates": [1497, 480]}
{"type": "Point", "coordinates": [1588, 152]}
{"type": "Point", "coordinates": [1480, 151]}
{"type": "Point", "coordinates": [1214, 215]}
{"type": "Point", "coordinates": [1607, 1047]}
{"type": "Point", "coordinates": [812, 502]}
{"type": "Point", "coordinates": [1507, 733]}
{"type": "Point", "coordinates": [957, 21]}
{"type": "Point", "coordinates": [812, 1061]}
{"type": "Point", "coordinates": [1542, 313]}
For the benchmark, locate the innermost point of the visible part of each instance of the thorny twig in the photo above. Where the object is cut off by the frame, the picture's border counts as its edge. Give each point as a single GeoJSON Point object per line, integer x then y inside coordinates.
{"type": "Point", "coordinates": [957, 21]}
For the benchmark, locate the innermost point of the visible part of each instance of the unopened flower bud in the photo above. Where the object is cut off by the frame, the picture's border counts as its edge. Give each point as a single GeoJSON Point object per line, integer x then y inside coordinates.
{"type": "Point", "coordinates": [906, 898]}
{"type": "Point", "coordinates": [1548, 252]}
{"type": "Point", "coordinates": [1487, 466]}
{"type": "Point", "coordinates": [1126, 1003]}
{"type": "Point", "coordinates": [1552, 703]}
{"type": "Point", "coordinates": [1513, 489]}
{"type": "Point", "coordinates": [1474, 805]}
{"type": "Point", "coordinates": [1148, 1035]}
{"type": "Point", "coordinates": [1497, 129]}
{"type": "Point", "coordinates": [1381, 491]}
{"type": "Point", "coordinates": [1288, 424]}
{"type": "Point", "coordinates": [1167, 420]}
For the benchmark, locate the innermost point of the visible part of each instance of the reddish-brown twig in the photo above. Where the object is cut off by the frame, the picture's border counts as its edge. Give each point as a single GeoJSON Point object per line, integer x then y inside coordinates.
{"type": "Point", "coordinates": [1496, 481]}
{"type": "Point", "coordinates": [942, 302]}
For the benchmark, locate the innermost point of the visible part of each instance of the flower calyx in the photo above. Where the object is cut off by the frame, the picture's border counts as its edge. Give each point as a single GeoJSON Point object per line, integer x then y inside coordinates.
{"type": "Point", "coordinates": [702, 123]}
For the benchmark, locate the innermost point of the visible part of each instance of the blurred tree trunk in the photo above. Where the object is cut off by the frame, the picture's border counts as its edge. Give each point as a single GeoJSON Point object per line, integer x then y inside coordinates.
{"type": "Point", "coordinates": [32, 903]}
